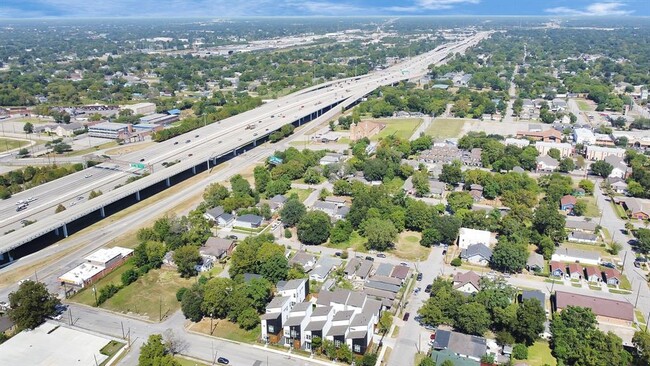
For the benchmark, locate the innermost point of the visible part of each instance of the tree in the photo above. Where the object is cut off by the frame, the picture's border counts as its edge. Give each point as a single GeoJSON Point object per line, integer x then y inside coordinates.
{"type": "Point", "coordinates": [248, 319]}
{"type": "Point", "coordinates": [587, 185]}
{"type": "Point", "coordinates": [459, 200]}
{"type": "Point", "coordinates": [316, 344]}
{"type": "Point", "coordinates": [451, 173]}
{"type": "Point", "coordinates": [566, 165]}
{"type": "Point", "coordinates": [216, 296]}
{"type": "Point", "coordinates": [59, 208]}
{"type": "Point", "coordinates": [214, 194]}
{"type": "Point", "coordinates": [262, 178]}
{"type": "Point", "coordinates": [344, 353]}
{"type": "Point", "coordinates": [549, 221]}
{"type": "Point", "coordinates": [554, 153]}
{"type": "Point", "coordinates": [579, 208]}
{"type": "Point", "coordinates": [643, 240]}
{"type": "Point", "coordinates": [472, 318]}
{"type": "Point", "coordinates": [239, 185]}
{"type": "Point", "coordinates": [430, 237]}
{"type": "Point", "coordinates": [340, 232]}
{"type": "Point", "coordinates": [31, 304]}
{"type": "Point", "coordinates": [509, 257]}
{"type": "Point", "coordinates": [292, 212]}
{"type": "Point", "coordinates": [191, 304]}
{"type": "Point", "coordinates": [530, 321]}
{"type": "Point", "coordinates": [23, 152]}
{"type": "Point", "coordinates": [174, 344]}
{"type": "Point", "coordinates": [342, 188]}
{"type": "Point", "coordinates": [421, 184]}
{"type": "Point", "coordinates": [314, 228]}
{"type": "Point", "coordinates": [520, 351]}
{"type": "Point", "coordinates": [259, 291]}
{"type": "Point", "coordinates": [380, 233]}
{"type": "Point", "coordinates": [28, 127]}
{"type": "Point", "coordinates": [428, 361]}
{"type": "Point", "coordinates": [94, 194]}
{"type": "Point", "coordinates": [369, 359]}
{"type": "Point", "coordinates": [602, 168]}
{"type": "Point", "coordinates": [385, 322]}
{"type": "Point", "coordinates": [641, 342]}
{"type": "Point", "coordinates": [129, 276]}
{"type": "Point", "coordinates": [186, 259]}
{"type": "Point", "coordinates": [153, 353]}
{"type": "Point", "coordinates": [312, 176]}
{"type": "Point", "coordinates": [275, 268]}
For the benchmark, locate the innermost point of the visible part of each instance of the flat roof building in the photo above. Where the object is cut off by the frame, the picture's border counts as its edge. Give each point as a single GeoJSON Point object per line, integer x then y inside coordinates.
{"type": "Point", "coordinates": [109, 130]}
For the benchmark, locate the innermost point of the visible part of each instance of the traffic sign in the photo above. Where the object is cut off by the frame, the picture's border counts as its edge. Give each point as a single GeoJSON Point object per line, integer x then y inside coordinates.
{"type": "Point", "coordinates": [137, 165]}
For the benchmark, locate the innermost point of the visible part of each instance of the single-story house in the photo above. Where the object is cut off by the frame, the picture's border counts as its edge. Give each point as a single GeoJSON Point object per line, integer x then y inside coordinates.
{"type": "Point", "coordinates": [575, 271]}
{"type": "Point", "coordinates": [323, 267]}
{"type": "Point", "coordinates": [384, 269]}
{"type": "Point", "coordinates": [436, 188]}
{"type": "Point", "coordinates": [248, 221]}
{"type": "Point", "coordinates": [219, 216]}
{"type": "Point", "coordinates": [619, 187]}
{"type": "Point", "coordinates": [305, 260]}
{"type": "Point", "coordinates": [557, 269]}
{"type": "Point", "coordinates": [477, 254]}
{"type": "Point", "coordinates": [612, 276]}
{"type": "Point", "coordinates": [400, 272]}
{"type": "Point", "coordinates": [546, 163]}
{"type": "Point", "coordinates": [535, 262]}
{"type": "Point", "coordinates": [536, 295]}
{"type": "Point", "coordinates": [464, 345]}
{"type": "Point", "coordinates": [358, 268]}
{"type": "Point", "coordinates": [217, 248]}
{"type": "Point", "coordinates": [277, 202]}
{"type": "Point", "coordinates": [567, 203]}
{"type": "Point", "coordinates": [565, 254]}
{"type": "Point", "coordinates": [468, 282]}
{"type": "Point", "coordinates": [580, 225]}
{"type": "Point", "coordinates": [593, 274]}
{"type": "Point", "coordinates": [582, 237]}
{"type": "Point", "coordinates": [637, 208]}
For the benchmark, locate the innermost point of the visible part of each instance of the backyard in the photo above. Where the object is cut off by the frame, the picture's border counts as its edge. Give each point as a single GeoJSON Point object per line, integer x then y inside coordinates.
{"type": "Point", "coordinates": [399, 127]}
{"type": "Point", "coordinates": [540, 354]}
{"type": "Point", "coordinates": [445, 128]}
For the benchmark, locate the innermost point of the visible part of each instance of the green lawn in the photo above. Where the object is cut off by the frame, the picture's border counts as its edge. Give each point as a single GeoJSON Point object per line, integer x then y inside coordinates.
{"type": "Point", "coordinates": [625, 283]}
{"type": "Point", "coordinates": [408, 247]}
{"type": "Point", "coordinates": [88, 298]}
{"type": "Point", "coordinates": [395, 185]}
{"type": "Point", "coordinates": [302, 193]}
{"type": "Point", "coordinates": [540, 354]}
{"type": "Point", "coordinates": [93, 149]}
{"type": "Point", "coordinates": [445, 128]}
{"type": "Point", "coordinates": [229, 330]}
{"type": "Point", "coordinates": [620, 211]}
{"type": "Point", "coordinates": [187, 362]}
{"type": "Point", "coordinates": [355, 242]}
{"type": "Point", "coordinates": [592, 209]}
{"type": "Point", "coordinates": [110, 350]}
{"type": "Point", "coordinates": [583, 105]}
{"type": "Point", "coordinates": [10, 144]}
{"type": "Point", "coordinates": [400, 127]}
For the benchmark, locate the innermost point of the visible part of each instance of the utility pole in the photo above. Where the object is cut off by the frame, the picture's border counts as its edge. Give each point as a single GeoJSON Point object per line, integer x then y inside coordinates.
{"type": "Point", "coordinates": [160, 309]}
{"type": "Point", "coordinates": [95, 293]}
{"type": "Point", "coordinates": [70, 315]}
{"type": "Point", "coordinates": [624, 258]}
{"type": "Point", "coordinates": [122, 324]}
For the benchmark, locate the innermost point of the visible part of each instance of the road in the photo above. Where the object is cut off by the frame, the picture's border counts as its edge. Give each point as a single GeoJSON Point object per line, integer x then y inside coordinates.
{"type": "Point", "coordinates": [573, 108]}
{"type": "Point", "coordinates": [202, 144]}
{"type": "Point", "coordinates": [426, 122]}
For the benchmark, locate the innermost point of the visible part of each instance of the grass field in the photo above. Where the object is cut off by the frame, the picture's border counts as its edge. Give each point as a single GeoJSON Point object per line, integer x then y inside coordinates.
{"type": "Point", "coordinates": [583, 105]}
{"type": "Point", "coordinates": [110, 350]}
{"type": "Point", "coordinates": [187, 362]}
{"type": "Point", "coordinates": [445, 128]}
{"type": "Point", "coordinates": [400, 127]}
{"type": "Point", "coordinates": [540, 354]}
{"type": "Point", "coordinates": [226, 329]}
{"type": "Point", "coordinates": [620, 211]}
{"type": "Point", "coordinates": [408, 247]}
{"type": "Point", "coordinates": [355, 242]}
{"type": "Point", "coordinates": [129, 148]}
{"type": "Point", "coordinates": [10, 144]}
{"type": "Point", "coordinates": [302, 193]}
{"type": "Point", "coordinates": [592, 209]}
{"type": "Point", "coordinates": [88, 298]}
{"type": "Point", "coordinates": [92, 149]}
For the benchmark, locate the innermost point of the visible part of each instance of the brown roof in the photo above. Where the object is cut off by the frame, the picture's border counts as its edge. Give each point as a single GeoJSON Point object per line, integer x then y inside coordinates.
{"type": "Point", "coordinates": [575, 267]}
{"type": "Point", "coordinates": [542, 134]}
{"type": "Point", "coordinates": [400, 272]}
{"type": "Point", "coordinates": [600, 306]}
{"type": "Point", "coordinates": [461, 279]}
{"type": "Point", "coordinates": [568, 199]}
{"type": "Point", "coordinates": [612, 273]}
{"type": "Point", "coordinates": [592, 271]}
{"type": "Point", "coordinates": [557, 265]}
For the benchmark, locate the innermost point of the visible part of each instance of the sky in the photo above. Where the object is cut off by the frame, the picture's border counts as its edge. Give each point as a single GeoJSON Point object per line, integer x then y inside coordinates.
{"type": "Point", "coordinates": [23, 9]}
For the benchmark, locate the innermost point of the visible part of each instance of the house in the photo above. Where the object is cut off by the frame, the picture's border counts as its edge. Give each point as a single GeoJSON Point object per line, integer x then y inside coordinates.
{"type": "Point", "coordinates": [68, 130]}
{"type": "Point", "coordinates": [607, 311]}
{"type": "Point", "coordinates": [329, 208]}
{"type": "Point", "coordinates": [601, 152]}
{"type": "Point", "coordinates": [248, 221]}
{"type": "Point", "coordinates": [580, 225]}
{"type": "Point", "coordinates": [619, 168]}
{"type": "Point", "coordinates": [544, 147]}
{"type": "Point", "coordinates": [565, 254]}
{"type": "Point", "coordinates": [383, 286]}
{"type": "Point", "coordinates": [535, 262]}
{"type": "Point", "coordinates": [338, 201]}
{"type": "Point", "coordinates": [272, 321]}
{"type": "Point", "coordinates": [535, 295]}
{"type": "Point", "coordinates": [582, 237]}
{"type": "Point", "coordinates": [331, 158]}
{"type": "Point", "coordinates": [637, 208]}
{"type": "Point", "coordinates": [277, 202]}
{"type": "Point", "coordinates": [467, 237]}
{"type": "Point", "coordinates": [384, 269]}
{"type": "Point", "coordinates": [464, 345]}
{"type": "Point", "coordinates": [323, 267]}
{"type": "Point", "coordinates": [468, 282]}
{"type": "Point", "coordinates": [218, 216]}
{"type": "Point", "coordinates": [575, 271]}
{"type": "Point", "coordinates": [217, 248]}
{"type": "Point", "coordinates": [319, 324]}
{"type": "Point", "coordinates": [593, 274]}
{"type": "Point", "coordinates": [358, 269]}
{"type": "Point", "coordinates": [297, 290]}
{"type": "Point", "coordinates": [557, 269]}
{"type": "Point", "coordinates": [567, 202]}
{"type": "Point", "coordinates": [477, 254]}
{"type": "Point", "coordinates": [546, 163]}
{"type": "Point", "coordinates": [612, 276]}
{"type": "Point", "coordinates": [400, 272]}
{"type": "Point", "coordinates": [550, 135]}
{"type": "Point", "coordinates": [303, 259]}
{"type": "Point", "coordinates": [437, 189]}
{"type": "Point", "coordinates": [618, 185]}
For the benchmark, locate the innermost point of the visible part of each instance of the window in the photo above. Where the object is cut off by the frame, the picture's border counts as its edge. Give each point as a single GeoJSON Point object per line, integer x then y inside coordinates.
{"type": "Point", "coordinates": [337, 343]}
{"type": "Point", "coordinates": [308, 346]}
{"type": "Point", "coordinates": [271, 329]}
{"type": "Point", "coordinates": [308, 337]}
{"type": "Point", "coordinates": [357, 348]}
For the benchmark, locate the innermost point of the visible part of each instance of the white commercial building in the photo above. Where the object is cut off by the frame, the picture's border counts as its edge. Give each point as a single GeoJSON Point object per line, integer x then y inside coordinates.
{"type": "Point", "coordinates": [467, 237]}
{"type": "Point", "coordinates": [141, 108]}
{"type": "Point", "coordinates": [96, 266]}
{"type": "Point", "coordinates": [544, 147]}
{"type": "Point", "coordinates": [584, 136]}
{"type": "Point", "coordinates": [109, 130]}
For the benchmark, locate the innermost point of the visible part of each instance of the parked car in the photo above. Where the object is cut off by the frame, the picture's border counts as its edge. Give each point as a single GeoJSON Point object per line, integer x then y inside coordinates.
{"type": "Point", "coordinates": [223, 360]}
{"type": "Point", "coordinates": [370, 258]}
{"type": "Point", "coordinates": [338, 254]}
{"type": "Point", "coordinates": [404, 264]}
{"type": "Point", "coordinates": [608, 265]}
{"type": "Point", "coordinates": [428, 289]}
{"type": "Point", "coordinates": [419, 277]}
{"type": "Point", "coordinates": [381, 255]}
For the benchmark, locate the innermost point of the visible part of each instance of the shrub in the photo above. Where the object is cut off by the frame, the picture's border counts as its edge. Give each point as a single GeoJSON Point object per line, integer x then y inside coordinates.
{"type": "Point", "coordinates": [180, 293]}
{"type": "Point", "coordinates": [129, 276]}
{"type": "Point", "coordinates": [520, 351]}
{"type": "Point", "coordinates": [456, 262]}
{"type": "Point", "coordinates": [107, 292]}
{"type": "Point", "coordinates": [287, 233]}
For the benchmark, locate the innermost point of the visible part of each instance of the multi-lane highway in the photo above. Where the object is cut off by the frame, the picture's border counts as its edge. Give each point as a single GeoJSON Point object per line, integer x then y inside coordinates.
{"type": "Point", "coordinates": [200, 145]}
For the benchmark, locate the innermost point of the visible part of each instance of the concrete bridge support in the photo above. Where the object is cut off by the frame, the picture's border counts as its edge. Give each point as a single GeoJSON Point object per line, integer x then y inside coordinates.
{"type": "Point", "coordinates": [168, 182]}
{"type": "Point", "coordinates": [137, 196]}
{"type": "Point", "coordinates": [65, 230]}
{"type": "Point", "coordinates": [102, 212]}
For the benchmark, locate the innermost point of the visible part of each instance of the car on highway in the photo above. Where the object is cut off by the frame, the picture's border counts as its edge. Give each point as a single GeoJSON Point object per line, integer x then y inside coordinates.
{"type": "Point", "coordinates": [88, 175]}
{"type": "Point", "coordinates": [20, 202]}
{"type": "Point", "coordinates": [195, 136]}
{"type": "Point", "coordinates": [381, 255]}
{"type": "Point", "coordinates": [223, 360]}
{"type": "Point", "coordinates": [31, 199]}
{"type": "Point", "coordinates": [187, 141]}
{"type": "Point", "coordinates": [141, 160]}
{"type": "Point", "coordinates": [21, 207]}
{"type": "Point", "coordinates": [176, 143]}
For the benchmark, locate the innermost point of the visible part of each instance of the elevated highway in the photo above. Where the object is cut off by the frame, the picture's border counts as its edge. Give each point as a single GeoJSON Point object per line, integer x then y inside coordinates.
{"type": "Point", "coordinates": [195, 151]}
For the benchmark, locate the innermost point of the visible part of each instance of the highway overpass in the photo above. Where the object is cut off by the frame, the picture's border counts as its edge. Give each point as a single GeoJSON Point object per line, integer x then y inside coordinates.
{"type": "Point", "coordinates": [195, 151]}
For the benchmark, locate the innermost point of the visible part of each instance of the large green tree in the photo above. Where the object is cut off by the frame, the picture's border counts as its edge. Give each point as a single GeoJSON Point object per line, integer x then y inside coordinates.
{"type": "Point", "coordinates": [530, 321]}
{"type": "Point", "coordinates": [472, 318]}
{"type": "Point", "coordinates": [154, 353]}
{"type": "Point", "coordinates": [186, 259]}
{"type": "Point", "coordinates": [314, 228]}
{"type": "Point", "coordinates": [31, 304]}
{"type": "Point", "coordinates": [292, 211]}
{"type": "Point", "coordinates": [380, 233]}
{"type": "Point", "coordinates": [192, 302]}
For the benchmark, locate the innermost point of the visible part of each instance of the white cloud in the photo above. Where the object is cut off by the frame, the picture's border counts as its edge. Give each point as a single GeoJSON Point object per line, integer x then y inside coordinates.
{"type": "Point", "coordinates": [443, 4]}
{"type": "Point", "coordinates": [329, 8]}
{"type": "Point", "coordinates": [613, 8]}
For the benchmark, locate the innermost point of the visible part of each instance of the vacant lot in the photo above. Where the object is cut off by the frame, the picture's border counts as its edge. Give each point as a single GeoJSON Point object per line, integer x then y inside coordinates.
{"type": "Point", "coordinates": [408, 247]}
{"type": "Point", "coordinates": [226, 329]}
{"type": "Point", "coordinates": [129, 148]}
{"type": "Point", "coordinates": [10, 144]}
{"type": "Point", "coordinates": [356, 243]}
{"type": "Point", "coordinates": [540, 354]}
{"type": "Point", "coordinates": [443, 128]}
{"type": "Point", "coordinates": [399, 127]}
{"type": "Point", "coordinates": [302, 193]}
{"type": "Point", "coordinates": [87, 296]}
{"type": "Point", "coordinates": [583, 105]}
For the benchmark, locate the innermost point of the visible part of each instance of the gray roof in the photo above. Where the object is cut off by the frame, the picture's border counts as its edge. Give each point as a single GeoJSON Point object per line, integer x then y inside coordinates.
{"type": "Point", "coordinates": [534, 294]}
{"type": "Point", "coordinates": [578, 253]}
{"type": "Point", "coordinates": [217, 246]}
{"type": "Point", "coordinates": [356, 299]}
{"type": "Point", "coordinates": [579, 235]}
{"type": "Point", "coordinates": [384, 269]}
{"type": "Point", "coordinates": [278, 302]}
{"type": "Point", "coordinates": [328, 206]}
{"type": "Point", "coordinates": [270, 316]}
{"type": "Point", "coordinates": [356, 334]}
{"type": "Point", "coordinates": [278, 199]}
{"type": "Point", "coordinates": [437, 187]}
{"type": "Point", "coordinates": [227, 217]}
{"type": "Point", "coordinates": [302, 258]}
{"type": "Point", "coordinates": [253, 219]}
{"type": "Point", "coordinates": [381, 294]}
{"type": "Point", "coordinates": [535, 259]}
{"type": "Point", "coordinates": [386, 279]}
{"type": "Point", "coordinates": [338, 330]}
{"type": "Point", "coordinates": [477, 249]}
{"type": "Point", "coordinates": [343, 315]}
{"type": "Point", "coordinates": [324, 266]}
{"type": "Point", "coordinates": [547, 160]}
{"type": "Point", "coordinates": [294, 320]}
{"type": "Point", "coordinates": [215, 212]}
{"type": "Point", "coordinates": [301, 306]}
{"type": "Point", "coordinates": [315, 325]}
{"type": "Point", "coordinates": [382, 286]}
{"type": "Point", "coordinates": [321, 310]}
{"type": "Point", "coordinates": [343, 211]}
{"type": "Point", "coordinates": [460, 343]}
{"type": "Point", "coordinates": [291, 284]}
{"type": "Point", "coordinates": [581, 225]}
